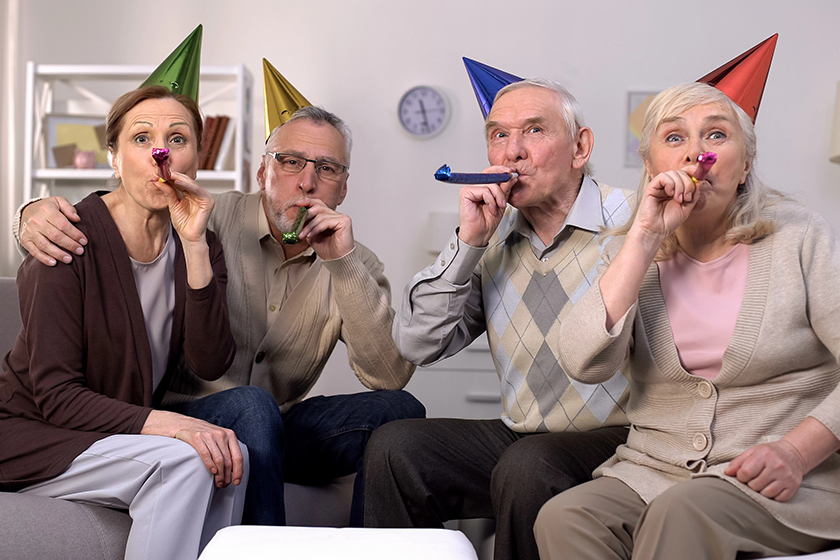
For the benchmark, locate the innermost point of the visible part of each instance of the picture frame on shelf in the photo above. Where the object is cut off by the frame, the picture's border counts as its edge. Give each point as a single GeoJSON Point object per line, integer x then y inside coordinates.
{"type": "Point", "coordinates": [67, 133]}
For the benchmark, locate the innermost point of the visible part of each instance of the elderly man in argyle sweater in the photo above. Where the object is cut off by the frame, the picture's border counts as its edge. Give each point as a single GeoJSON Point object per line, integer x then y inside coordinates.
{"type": "Point", "coordinates": [524, 253]}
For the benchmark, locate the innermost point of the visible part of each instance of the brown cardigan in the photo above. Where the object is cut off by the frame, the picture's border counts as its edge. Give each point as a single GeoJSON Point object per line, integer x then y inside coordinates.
{"type": "Point", "coordinates": [81, 367]}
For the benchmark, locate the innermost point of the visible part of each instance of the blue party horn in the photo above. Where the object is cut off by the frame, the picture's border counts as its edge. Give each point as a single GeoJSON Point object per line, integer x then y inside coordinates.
{"type": "Point", "coordinates": [445, 174]}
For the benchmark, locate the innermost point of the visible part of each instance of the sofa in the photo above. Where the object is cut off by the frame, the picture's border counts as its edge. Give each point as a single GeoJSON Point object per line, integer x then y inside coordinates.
{"type": "Point", "coordinates": [38, 528]}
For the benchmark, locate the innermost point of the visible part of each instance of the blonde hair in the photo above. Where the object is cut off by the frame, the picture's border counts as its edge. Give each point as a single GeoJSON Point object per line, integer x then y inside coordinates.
{"type": "Point", "coordinates": [745, 221]}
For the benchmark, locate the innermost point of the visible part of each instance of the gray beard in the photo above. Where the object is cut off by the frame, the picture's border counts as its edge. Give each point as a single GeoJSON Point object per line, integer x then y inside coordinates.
{"type": "Point", "coordinates": [281, 221]}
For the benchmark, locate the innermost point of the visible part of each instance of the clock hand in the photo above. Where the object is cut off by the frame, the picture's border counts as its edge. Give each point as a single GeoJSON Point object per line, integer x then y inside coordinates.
{"type": "Point", "coordinates": [423, 110]}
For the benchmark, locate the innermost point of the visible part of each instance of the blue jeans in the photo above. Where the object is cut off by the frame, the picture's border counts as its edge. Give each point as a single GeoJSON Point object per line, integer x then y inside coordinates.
{"type": "Point", "coordinates": [326, 437]}
{"type": "Point", "coordinates": [315, 442]}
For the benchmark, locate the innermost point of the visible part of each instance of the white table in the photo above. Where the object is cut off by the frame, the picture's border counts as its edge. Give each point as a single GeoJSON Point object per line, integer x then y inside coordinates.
{"type": "Point", "coordinates": [323, 543]}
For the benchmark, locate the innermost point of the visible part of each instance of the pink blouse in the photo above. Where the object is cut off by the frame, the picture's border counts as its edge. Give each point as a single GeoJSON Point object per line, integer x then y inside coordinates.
{"type": "Point", "coordinates": [703, 301]}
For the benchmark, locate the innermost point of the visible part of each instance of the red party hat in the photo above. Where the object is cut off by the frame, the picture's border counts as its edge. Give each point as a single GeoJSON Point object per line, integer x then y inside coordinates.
{"type": "Point", "coordinates": [742, 79]}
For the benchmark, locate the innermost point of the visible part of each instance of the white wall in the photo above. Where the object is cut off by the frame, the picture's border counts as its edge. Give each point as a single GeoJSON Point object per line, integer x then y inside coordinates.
{"type": "Point", "coordinates": [357, 59]}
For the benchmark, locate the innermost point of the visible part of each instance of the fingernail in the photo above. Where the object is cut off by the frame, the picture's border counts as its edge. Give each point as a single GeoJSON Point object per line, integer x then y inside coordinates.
{"type": "Point", "coordinates": [51, 261]}
{"type": "Point", "coordinates": [67, 259]}
{"type": "Point", "coordinates": [83, 241]}
{"type": "Point", "coordinates": [79, 251]}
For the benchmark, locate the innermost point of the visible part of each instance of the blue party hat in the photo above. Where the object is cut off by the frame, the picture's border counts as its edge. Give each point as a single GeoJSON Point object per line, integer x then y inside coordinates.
{"type": "Point", "coordinates": [486, 82]}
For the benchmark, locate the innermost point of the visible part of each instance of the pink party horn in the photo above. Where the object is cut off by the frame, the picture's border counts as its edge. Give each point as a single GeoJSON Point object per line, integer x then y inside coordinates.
{"type": "Point", "coordinates": [705, 161]}
{"type": "Point", "coordinates": [161, 157]}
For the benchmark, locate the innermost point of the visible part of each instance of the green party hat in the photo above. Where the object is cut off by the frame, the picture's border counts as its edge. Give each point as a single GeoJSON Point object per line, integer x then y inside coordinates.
{"type": "Point", "coordinates": [281, 98]}
{"type": "Point", "coordinates": [180, 71]}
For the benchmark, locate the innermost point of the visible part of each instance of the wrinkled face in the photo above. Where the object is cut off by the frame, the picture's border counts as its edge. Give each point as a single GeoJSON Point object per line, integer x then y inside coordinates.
{"type": "Point", "coordinates": [526, 131]}
{"type": "Point", "coordinates": [704, 128]}
{"type": "Point", "coordinates": [154, 123]}
{"type": "Point", "coordinates": [282, 189]}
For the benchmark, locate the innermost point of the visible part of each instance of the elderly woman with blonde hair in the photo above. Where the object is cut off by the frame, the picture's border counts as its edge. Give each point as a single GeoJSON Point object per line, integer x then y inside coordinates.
{"type": "Point", "coordinates": [719, 302]}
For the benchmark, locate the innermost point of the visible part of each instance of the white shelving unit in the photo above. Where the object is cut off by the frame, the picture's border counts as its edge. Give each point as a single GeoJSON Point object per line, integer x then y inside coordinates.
{"type": "Point", "coordinates": [81, 91]}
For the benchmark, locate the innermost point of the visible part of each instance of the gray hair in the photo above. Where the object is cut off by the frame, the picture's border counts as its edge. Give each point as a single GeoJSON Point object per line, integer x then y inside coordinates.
{"type": "Point", "coordinates": [746, 223]}
{"type": "Point", "coordinates": [320, 116]}
{"type": "Point", "coordinates": [570, 110]}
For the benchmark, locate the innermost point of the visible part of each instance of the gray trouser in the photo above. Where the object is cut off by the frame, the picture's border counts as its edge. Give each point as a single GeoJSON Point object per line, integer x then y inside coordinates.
{"type": "Point", "coordinates": [169, 493]}
{"type": "Point", "coordinates": [701, 519]}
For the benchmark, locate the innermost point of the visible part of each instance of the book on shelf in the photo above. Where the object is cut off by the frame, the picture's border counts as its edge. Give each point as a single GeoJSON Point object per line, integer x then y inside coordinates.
{"type": "Point", "coordinates": [217, 138]}
{"type": "Point", "coordinates": [218, 135]}
{"type": "Point", "coordinates": [207, 141]}
{"type": "Point", "coordinates": [225, 159]}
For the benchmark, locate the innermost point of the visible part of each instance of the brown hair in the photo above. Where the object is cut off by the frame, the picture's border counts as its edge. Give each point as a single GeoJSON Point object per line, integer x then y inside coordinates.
{"type": "Point", "coordinates": [127, 101]}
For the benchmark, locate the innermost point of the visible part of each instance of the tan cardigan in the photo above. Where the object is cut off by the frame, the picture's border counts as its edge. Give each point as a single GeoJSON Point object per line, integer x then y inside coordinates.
{"type": "Point", "coordinates": [346, 299]}
{"type": "Point", "coordinates": [780, 367]}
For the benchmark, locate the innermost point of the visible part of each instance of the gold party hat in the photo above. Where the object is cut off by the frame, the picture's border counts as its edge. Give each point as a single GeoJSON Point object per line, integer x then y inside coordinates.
{"type": "Point", "coordinates": [281, 98]}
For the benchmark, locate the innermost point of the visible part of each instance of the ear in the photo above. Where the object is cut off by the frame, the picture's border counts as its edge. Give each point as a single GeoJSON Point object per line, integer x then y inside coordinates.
{"type": "Point", "coordinates": [343, 192]}
{"type": "Point", "coordinates": [584, 142]}
{"type": "Point", "coordinates": [747, 169]}
{"type": "Point", "coordinates": [115, 163]}
{"type": "Point", "coordinates": [647, 168]}
{"type": "Point", "coordinates": [261, 175]}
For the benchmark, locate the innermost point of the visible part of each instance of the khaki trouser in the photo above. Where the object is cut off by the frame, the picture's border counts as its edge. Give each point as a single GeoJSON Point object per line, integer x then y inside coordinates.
{"type": "Point", "coordinates": [704, 518]}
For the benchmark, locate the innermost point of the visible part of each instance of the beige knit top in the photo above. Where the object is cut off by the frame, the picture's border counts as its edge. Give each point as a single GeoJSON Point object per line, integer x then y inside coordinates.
{"type": "Point", "coordinates": [780, 367]}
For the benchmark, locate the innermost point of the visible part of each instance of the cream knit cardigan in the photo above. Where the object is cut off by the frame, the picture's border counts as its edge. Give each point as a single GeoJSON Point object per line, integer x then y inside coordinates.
{"type": "Point", "coordinates": [346, 299]}
{"type": "Point", "coordinates": [780, 367]}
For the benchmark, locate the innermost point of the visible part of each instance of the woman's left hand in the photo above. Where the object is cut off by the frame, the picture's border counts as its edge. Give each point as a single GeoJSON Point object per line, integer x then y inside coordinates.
{"type": "Point", "coordinates": [775, 470]}
{"type": "Point", "coordinates": [189, 206]}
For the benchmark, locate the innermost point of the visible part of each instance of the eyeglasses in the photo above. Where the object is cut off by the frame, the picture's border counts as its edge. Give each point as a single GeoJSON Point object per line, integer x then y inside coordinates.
{"type": "Point", "coordinates": [326, 169]}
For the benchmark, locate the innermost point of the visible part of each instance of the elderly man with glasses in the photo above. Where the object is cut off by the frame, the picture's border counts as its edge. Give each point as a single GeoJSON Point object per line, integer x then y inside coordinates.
{"type": "Point", "coordinates": [289, 304]}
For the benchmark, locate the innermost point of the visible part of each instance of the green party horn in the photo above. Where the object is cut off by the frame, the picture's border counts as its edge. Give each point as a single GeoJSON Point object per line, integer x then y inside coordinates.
{"type": "Point", "coordinates": [291, 237]}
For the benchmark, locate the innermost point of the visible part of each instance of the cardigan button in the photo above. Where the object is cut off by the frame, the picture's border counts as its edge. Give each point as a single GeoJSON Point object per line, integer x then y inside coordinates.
{"type": "Point", "coordinates": [260, 356]}
{"type": "Point", "coordinates": [700, 442]}
{"type": "Point", "coordinates": [705, 389]}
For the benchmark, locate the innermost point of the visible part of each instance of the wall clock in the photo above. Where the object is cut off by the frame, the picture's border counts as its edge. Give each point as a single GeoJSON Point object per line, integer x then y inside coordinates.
{"type": "Point", "coordinates": [424, 111]}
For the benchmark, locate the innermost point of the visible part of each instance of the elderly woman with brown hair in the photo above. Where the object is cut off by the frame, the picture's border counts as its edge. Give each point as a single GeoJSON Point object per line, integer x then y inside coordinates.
{"type": "Point", "coordinates": [102, 336]}
{"type": "Point", "coordinates": [719, 298]}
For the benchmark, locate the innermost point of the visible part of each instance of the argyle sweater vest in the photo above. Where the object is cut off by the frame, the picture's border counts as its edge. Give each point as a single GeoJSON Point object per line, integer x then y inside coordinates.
{"type": "Point", "coordinates": [524, 301]}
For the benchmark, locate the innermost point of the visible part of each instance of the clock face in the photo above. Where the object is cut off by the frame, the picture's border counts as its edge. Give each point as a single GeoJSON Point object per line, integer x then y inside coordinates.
{"type": "Point", "coordinates": [423, 111]}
